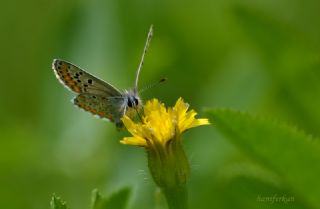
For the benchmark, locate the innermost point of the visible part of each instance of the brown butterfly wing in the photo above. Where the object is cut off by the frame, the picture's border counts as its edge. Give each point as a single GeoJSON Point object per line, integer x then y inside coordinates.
{"type": "Point", "coordinates": [80, 81]}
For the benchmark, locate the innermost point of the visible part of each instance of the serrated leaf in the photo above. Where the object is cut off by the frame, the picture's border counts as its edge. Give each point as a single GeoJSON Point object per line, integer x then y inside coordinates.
{"type": "Point", "coordinates": [58, 203]}
{"type": "Point", "coordinates": [291, 153]}
{"type": "Point", "coordinates": [116, 200]}
{"type": "Point", "coordinates": [295, 73]}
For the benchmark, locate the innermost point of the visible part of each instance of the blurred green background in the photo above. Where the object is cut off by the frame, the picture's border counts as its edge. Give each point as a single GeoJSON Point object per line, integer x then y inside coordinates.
{"type": "Point", "coordinates": [259, 56]}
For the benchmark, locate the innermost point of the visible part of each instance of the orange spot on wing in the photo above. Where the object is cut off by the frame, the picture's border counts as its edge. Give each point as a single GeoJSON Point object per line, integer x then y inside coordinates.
{"type": "Point", "coordinates": [76, 89]}
{"type": "Point", "coordinates": [109, 116]}
{"type": "Point", "coordinates": [81, 104]}
{"type": "Point", "coordinates": [67, 79]}
{"type": "Point", "coordinates": [72, 84]}
{"type": "Point", "coordinates": [64, 67]}
{"type": "Point", "coordinates": [102, 114]}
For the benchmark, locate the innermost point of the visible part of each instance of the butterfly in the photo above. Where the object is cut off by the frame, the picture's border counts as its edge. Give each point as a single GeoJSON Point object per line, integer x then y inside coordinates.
{"type": "Point", "coordinates": [97, 96]}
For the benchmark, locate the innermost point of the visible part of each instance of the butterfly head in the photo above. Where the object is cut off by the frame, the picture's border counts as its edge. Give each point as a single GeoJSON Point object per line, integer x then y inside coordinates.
{"type": "Point", "coordinates": [132, 104]}
{"type": "Point", "coordinates": [133, 100]}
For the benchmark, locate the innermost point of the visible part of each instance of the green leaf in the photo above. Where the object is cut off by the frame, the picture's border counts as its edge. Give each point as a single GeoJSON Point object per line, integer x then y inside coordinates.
{"type": "Point", "coordinates": [58, 203]}
{"type": "Point", "coordinates": [116, 200]}
{"type": "Point", "coordinates": [293, 155]}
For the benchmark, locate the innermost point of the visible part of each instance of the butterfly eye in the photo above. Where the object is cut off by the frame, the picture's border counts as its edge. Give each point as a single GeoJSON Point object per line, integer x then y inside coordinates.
{"type": "Point", "coordinates": [136, 101]}
{"type": "Point", "coordinates": [129, 103]}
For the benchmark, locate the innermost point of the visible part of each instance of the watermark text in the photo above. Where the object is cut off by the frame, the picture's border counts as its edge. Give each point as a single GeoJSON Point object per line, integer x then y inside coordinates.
{"type": "Point", "coordinates": [276, 198]}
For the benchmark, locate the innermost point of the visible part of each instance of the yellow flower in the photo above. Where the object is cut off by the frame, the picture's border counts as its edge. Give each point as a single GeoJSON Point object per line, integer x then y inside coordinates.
{"type": "Point", "coordinates": [159, 133]}
{"type": "Point", "coordinates": [160, 124]}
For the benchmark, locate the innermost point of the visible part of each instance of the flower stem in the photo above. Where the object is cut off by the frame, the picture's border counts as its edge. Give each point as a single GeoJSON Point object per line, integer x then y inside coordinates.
{"type": "Point", "coordinates": [177, 198]}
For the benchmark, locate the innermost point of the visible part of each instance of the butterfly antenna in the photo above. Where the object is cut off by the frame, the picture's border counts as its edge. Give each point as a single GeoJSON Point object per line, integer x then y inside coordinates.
{"type": "Point", "coordinates": [142, 58]}
{"type": "Point", "coordinates": [153, 85]}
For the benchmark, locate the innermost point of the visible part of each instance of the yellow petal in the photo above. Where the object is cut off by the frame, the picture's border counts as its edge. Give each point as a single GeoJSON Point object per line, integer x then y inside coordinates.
{"type": "Point", "coordinates": [199, 122]}
{"type": "Point", "coordinates": [136, 140]}
{"type": "Point", "coordinates": [181, 107]}
{"type": "Point", "coordinates": [186, 120]}
{"type": "Point", "coordinates": [133, 128]}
